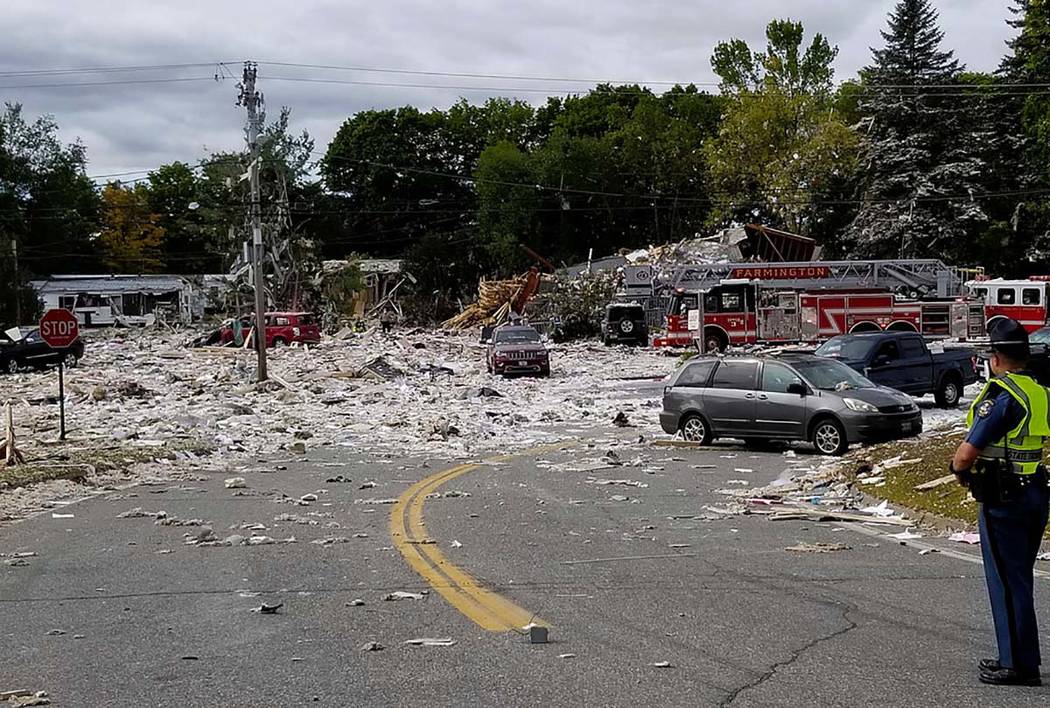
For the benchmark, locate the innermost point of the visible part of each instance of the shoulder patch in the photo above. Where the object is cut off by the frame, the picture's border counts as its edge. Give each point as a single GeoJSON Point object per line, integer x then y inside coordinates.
{"type": "Point", "coordinates": [985, 408]}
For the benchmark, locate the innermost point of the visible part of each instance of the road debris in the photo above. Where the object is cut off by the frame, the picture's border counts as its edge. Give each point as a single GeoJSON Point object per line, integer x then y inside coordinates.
{"type": "Point", "coordinates": [330, 540]}
{"type": "Point", "coordinates": [817, 548]}
{"type": "Point", "coordinates": [662, 665]}
{"type": "Point", "coordinates": [971, 539]}
{"type": "Point", "coordinates": [235, 483]}
{"type": "Point", "coordinates": [140, 513]}
{"type": "Point", "coordinates": [356, 603]}
{"type": "Point", "coordinates": [24, 699]}
{"type": "Point", "coordinates": [338, 479]}
{"type": "Point", "coordinates": [933, 484]}
{"type": "Point", "coordinates": [431, 642]}
{"type": "Point", "coordinates": [405, 595]}
{"type": "Point", "coordinates": [908, 535]}
{"type": "Point", "coordinates": [372, 646]}
{"type": "Point", "coordinates": [265, 609]}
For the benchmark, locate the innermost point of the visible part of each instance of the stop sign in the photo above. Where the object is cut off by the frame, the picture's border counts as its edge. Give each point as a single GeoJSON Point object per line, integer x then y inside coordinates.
{"type": "Point", "coordinates": [59, 328]}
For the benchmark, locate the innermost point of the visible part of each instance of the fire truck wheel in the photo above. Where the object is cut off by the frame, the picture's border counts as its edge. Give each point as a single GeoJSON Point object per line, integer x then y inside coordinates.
{"type": "Point", "coordinates": [695, 429]}
{"type": "Point", "coordinates": [829, 437]}
{"type": "Point", "coordinates": [949, 392]}
{"type": "Point", "coordinates": [715, 341]}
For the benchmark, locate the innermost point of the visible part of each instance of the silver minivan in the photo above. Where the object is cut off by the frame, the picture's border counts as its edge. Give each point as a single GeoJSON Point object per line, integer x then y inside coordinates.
{"type": "Point", "coordinates": [785, 397]}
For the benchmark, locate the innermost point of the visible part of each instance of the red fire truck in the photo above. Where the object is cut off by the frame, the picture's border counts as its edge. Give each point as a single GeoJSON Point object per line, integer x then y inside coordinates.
{"type": "Point", "coordinates": [748, 303]}
{"type": "Point", "coordinates": [1023, 300]}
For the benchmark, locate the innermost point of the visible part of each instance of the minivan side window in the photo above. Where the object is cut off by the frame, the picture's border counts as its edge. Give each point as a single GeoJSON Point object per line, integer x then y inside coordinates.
{"type": "Point", "coordinates": [776, 378]}
{"type": "Point", "coordinates": [696, 375]}
{"type": "Point", "coordinates": [736, 375]}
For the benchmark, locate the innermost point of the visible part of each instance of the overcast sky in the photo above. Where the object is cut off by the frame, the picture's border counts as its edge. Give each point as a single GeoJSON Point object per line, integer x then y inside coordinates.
{"type": "Point", "coordinates": [140, 126]}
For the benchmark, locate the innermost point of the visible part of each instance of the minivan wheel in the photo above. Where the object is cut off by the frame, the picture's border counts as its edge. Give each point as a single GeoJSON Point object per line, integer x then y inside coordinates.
{"type": "Point", "coordinates": [11, 366]}
{"type": "Point", "coordinates": [948, 393]}
{"type": "Point", "coordinates": [694, 429]}
{"type": "Point", "coordinates": [70, 360]}
{"type": "Point", "coordinates": [829, 437]}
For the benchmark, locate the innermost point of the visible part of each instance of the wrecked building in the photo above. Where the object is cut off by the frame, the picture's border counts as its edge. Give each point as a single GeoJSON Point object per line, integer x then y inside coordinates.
{"type": "Point", "coordinates": [100, 300]}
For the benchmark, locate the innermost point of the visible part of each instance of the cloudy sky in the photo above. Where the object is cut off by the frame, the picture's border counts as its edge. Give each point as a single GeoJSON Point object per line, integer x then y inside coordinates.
{"type": "Point", "coordinates": [138, 126]}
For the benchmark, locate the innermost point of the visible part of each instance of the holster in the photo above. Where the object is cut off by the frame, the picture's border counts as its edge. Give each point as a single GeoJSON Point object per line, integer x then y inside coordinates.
{"type": "Point", "coordinates": [996, 482]}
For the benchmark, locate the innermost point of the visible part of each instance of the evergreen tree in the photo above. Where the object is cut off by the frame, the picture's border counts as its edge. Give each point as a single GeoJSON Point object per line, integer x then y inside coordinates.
{"type": "Point", "coordinates": [924, 154]}
{"type": "Point", "coordinates": [1021, 138]}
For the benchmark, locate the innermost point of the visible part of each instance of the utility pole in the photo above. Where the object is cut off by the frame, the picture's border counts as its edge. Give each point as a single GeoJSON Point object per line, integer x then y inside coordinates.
{"type": "Point", "coordinates": [18, 281]}
{"type": "Point", "coordinates": [252, 101]}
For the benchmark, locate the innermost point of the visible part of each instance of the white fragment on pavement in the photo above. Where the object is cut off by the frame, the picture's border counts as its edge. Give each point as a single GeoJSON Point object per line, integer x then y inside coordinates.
{"type": "Point", "coordinates": [235, 483]}
{"type": "Point", "coordinates": [456, 544]}
{"type": "Point", "coordinates": [883, 510]}
{"type": "Point", "coordinates": [971, 539]}
{"type": "Point", "coordinates": [431, 642]}
{"type": "Point", "coordinates": [61, 516]}
{"type": "Point", "coordinates": [928, 551]}
{"type": "Point", "coordinates": [566, 656]}
{"type": "Point", "coordinates": [404, 595]}
{"type": "Point", "coordinates": [908, 535]}
{"type": "Point", "coordinates": [663, 665]}
{"type": "Point", "coordinates": [372, 646]}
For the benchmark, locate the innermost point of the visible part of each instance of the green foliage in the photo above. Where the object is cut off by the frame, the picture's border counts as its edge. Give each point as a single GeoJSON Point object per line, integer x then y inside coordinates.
{"type": "Point", "coordinates": [580, 303]}
{"type": "Point", "coordinates": [783, 67]}
{"type": "Point", "coordinates": [780, 149]}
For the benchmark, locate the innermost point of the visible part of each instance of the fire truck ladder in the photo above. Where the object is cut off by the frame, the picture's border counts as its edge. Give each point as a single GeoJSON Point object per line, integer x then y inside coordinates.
{"type": "Point", "coordinates": [914, 279]}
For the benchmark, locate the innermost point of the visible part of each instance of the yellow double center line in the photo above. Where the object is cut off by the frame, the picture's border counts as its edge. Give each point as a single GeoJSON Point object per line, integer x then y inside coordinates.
{"type": "Point", "coordinates": [484, 607]}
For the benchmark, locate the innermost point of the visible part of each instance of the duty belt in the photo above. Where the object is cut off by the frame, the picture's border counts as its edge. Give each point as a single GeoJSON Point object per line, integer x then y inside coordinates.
{"type": "Point", "coordinates": [994, 452]}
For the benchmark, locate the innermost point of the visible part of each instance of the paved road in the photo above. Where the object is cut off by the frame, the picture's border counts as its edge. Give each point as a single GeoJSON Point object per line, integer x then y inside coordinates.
{"type": "Point", "coordinates": [623, 584]}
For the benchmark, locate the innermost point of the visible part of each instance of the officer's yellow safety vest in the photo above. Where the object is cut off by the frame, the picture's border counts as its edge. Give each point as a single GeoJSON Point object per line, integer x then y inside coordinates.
{"type": "Point", "coordinates": [1023, 446]}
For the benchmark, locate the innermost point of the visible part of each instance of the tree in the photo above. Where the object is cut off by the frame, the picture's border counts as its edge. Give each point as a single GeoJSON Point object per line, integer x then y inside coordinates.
{"type": "Point", "coordinates": [131, 238]}
{"type": "Point", "coordinates": [51, 204]}
{"type": "Point", "coordinates": [175, 195]}
{"type": "Point", "coordinates": [923, 159]}
{"type": "Point", "coordinates": [780, 151]}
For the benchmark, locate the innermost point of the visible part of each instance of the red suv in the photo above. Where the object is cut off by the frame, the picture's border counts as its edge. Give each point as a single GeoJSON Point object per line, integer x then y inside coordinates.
{"type": "Point", "coordinates": [282, 328]}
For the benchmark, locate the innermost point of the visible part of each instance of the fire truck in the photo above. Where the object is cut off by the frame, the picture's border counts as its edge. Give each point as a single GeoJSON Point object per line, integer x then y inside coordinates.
{"type": "Point", "coordinates": [1023, 300]}
{"type": "Point", "coordinates": [765, 303]}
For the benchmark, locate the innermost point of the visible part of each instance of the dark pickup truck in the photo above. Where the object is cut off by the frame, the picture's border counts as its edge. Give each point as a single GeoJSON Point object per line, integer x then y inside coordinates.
{"type": "Point", "coordinates": [901, 360]}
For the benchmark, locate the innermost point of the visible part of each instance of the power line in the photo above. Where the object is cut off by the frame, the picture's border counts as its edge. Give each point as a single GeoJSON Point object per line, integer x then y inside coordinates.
{"type": "Point", "coordinates": [111, 69]}
{"type": "Point", "coordinates": [467, 75]}
{"type": "Point", "coordinates": [184, 79]}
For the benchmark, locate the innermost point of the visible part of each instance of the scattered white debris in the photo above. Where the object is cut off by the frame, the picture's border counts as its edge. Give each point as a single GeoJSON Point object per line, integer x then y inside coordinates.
{"type": "Point", "coordinates": [431, 642]}
{"type": "Point", "coordinates": [235, 483]}
{"type": "Point", "coordinates": [971, 539]}
{"type": "Point", "coordinates": [908, 535]}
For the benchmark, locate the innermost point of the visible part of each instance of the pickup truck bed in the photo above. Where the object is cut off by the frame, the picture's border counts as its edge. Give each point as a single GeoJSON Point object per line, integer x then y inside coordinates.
{"type": "Point", "coordinates": [903, 361]}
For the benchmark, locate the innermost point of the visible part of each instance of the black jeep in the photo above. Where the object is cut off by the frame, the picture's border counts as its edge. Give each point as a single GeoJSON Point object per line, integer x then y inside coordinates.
{"type": "Point", "coordinates": [625, 323]}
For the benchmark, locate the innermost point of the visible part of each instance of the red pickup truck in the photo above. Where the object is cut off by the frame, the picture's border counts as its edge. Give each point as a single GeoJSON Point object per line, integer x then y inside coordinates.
{"type": "Point", "coordinates": [282, 328]}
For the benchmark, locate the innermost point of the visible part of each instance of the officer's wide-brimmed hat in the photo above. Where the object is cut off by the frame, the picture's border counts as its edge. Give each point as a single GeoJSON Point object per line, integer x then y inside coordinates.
{"type": "Point", "coordinates": [1008, 336]}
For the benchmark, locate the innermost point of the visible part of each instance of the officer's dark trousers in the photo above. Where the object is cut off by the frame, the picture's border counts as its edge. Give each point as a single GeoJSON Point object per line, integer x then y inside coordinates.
{"type": "Point", "coordinates": [1010, 537]}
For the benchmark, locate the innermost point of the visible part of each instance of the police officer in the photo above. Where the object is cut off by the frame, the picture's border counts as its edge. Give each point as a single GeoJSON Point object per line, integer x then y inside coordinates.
{"type": "Point", "coordinates": [1001, 463]}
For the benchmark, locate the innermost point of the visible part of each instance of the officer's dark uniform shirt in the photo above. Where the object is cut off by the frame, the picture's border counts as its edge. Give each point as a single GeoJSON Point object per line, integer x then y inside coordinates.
{"type": "Point", "coordinates": [993, 419]}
